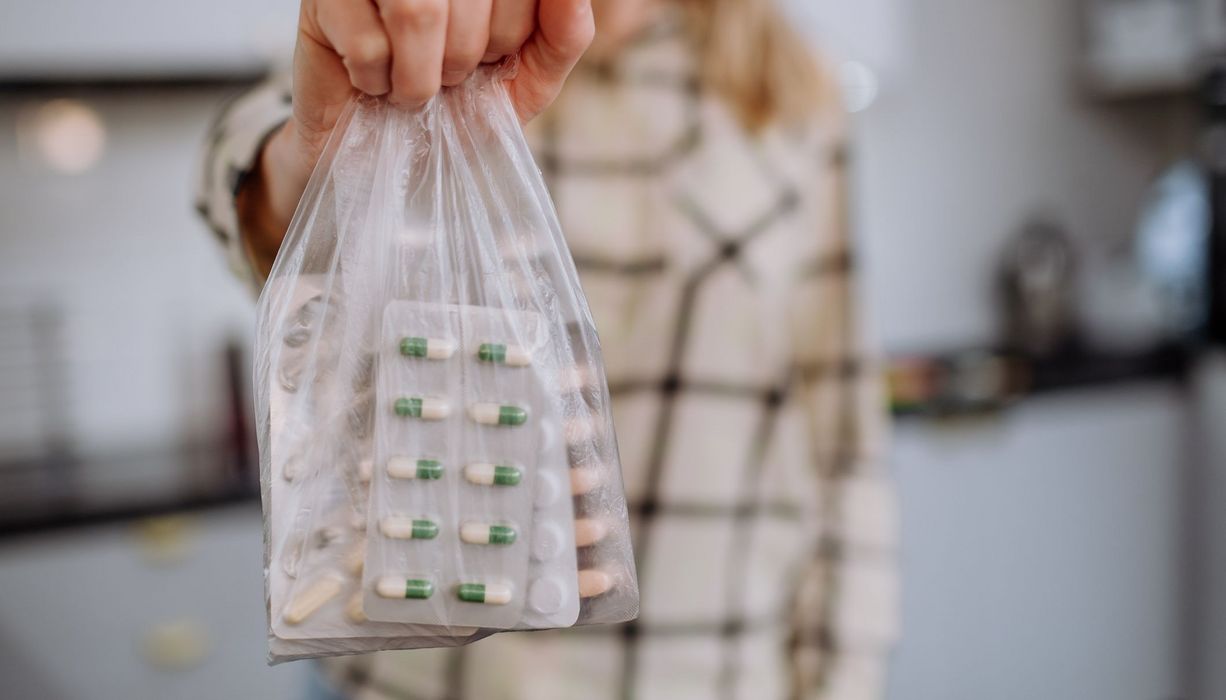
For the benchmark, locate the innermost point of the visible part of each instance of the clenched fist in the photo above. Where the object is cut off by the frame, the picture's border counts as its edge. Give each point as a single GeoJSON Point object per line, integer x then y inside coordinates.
{"type": "Point", "coordinates": [406, 50]}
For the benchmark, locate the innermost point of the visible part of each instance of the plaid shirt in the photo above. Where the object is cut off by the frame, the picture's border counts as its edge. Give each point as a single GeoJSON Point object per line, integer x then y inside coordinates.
{"type": "Point", "coordinates": [719, 271]}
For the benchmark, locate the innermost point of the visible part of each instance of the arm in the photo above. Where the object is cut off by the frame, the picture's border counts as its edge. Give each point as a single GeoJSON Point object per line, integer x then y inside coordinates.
{"type": "Point", "coordinates": [406, 50]}
{"type": "Point", "coordinates": [847, 608]}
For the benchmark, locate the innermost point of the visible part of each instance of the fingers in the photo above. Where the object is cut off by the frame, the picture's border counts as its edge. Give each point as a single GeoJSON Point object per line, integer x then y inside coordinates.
{"type": "Point", "coordinates": [418, 32]}
{"type": "Point", "coordinates": [511, 23]}
{"type": "Point", "coordinates": [468, 32]}
{"type": "Point", "coordinates": [565, 29]}
{"type": "Point", "coordinates": [355, 32]}
{"type": "Point", "coordinates": [408, 49]}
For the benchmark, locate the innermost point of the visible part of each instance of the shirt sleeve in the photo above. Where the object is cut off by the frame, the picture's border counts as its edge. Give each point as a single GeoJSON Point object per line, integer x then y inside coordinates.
{"type": "Point", "coordinates": [232, 146]}
{"type": "Point", "coordinates": [845, 622]}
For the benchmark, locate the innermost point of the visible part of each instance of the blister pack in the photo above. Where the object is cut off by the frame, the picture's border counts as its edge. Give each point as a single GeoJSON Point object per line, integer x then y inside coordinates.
{"type": "Point", "coordinates": [471, 524]}
{"type": "Point", "coordinates": [438, 459]}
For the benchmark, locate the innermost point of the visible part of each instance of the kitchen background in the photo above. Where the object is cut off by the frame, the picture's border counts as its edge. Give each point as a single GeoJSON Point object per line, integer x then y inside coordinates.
{"type": "Point", "coordinates": [1062, 512]}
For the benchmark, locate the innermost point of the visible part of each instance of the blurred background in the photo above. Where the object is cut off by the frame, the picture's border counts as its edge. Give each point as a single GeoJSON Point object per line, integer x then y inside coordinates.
{"type": "Point", "coordinates": [1040, 199]}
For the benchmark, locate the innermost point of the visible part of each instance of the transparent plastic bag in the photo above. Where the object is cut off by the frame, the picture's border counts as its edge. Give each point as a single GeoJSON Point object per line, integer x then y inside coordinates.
{"type": "Point", "coordinates": [437, 454]}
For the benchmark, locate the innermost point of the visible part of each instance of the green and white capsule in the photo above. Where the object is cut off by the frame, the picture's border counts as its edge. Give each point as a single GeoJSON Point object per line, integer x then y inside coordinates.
{"type": "Point", "coordinates": [484, 533]}
{"type": "Point", "coordinates": [424, 407]}
{"type": "Point", "coordinates": [400, 467]}
{"type": "Point", "coordinates": [427, 348]}
{"type": "Point", "coordinates": [503, 354]}
{"type": "Point", "coordinates": [487, 593]}
{"type": "Point", "coordinates": [498, 414]}
{"type": "Point", "coordinates": [399, 587]}
{"type": "Point", "coordinates": [404, 528]}
{"type": "Point", "coordinates": [492, 474]}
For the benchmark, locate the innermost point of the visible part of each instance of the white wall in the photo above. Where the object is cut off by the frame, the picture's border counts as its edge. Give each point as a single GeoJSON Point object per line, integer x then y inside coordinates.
{"type": "Point", "coordinates": [148, 299]}
{"type": "Point", "coordinates": [1041, 553]}
{"type": "Point", "coordinates": [987, 126]}
{"type": "Point", "coordinates": [142, 38]}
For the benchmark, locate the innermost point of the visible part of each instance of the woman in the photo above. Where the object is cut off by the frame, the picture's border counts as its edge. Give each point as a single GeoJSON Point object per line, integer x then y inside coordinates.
{"type": "Point", "coordinates": [696, 157]}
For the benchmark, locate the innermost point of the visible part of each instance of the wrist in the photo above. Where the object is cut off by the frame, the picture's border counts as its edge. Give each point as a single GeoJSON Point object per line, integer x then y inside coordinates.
{"type": "Point", "coordinates": [266, 202]}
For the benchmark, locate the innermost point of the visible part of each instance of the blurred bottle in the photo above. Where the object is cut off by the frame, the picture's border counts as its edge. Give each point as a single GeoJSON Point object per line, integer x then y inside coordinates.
{"type": "Point", "coordinates": [1172, 244]}
{"type": "Point", "coordinates": [1037, 279]}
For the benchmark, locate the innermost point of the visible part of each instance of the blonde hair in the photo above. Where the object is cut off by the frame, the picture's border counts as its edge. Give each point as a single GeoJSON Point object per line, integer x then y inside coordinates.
{"type": "Point", "coordinates": [752, 58]}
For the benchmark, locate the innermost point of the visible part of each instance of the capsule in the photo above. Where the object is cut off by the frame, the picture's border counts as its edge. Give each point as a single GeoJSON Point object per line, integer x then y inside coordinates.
{"type": "Point", "coordinates": [497, 414]}
{"type": "Point", "coordinates": [487, 593]}
{"type": "Point", "coordinates": [580, 431]}
{"type": "Point", "coordinates": [366, 469]}
{"type": "Point", "coordinates": [492, 474]}
{"type": "Point", "coordinates": [589, 531]}
{"type": "Point", "coordinates": [575, 379]}
{"type": "Point", "coordinates": [428, 348]}
{"type": "Point", "coordinates": [404, 587]}
{"type": "Point", "coordinates": [424, 407]}
{"type": "Point", "coordinates": [503, 354]}
{"type": "Point", "coordinates": [355, 610]}
{"type": "Point", "coordinates": [402, 528]}
{"type": "Point", "coordinates": [594, 582]}
{"type": "Point", "coordinates": [484, 533]}
{"type": "Point", "coordinates": [583, 480]}
{"type": "Point", "coordinates": [355, 558]}
{"type": "Point", "coordinates": [312, 598]}
{"type": "Point", "coordinates": [409, 468]}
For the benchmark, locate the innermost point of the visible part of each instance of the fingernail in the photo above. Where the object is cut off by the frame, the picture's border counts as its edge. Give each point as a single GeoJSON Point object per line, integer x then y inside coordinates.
{"type": "Point", "coordinates": [453, 77]}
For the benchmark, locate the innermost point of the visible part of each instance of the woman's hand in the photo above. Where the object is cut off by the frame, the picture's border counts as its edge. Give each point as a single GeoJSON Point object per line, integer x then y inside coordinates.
{"type": "Point", "coordinates": [406, 50]}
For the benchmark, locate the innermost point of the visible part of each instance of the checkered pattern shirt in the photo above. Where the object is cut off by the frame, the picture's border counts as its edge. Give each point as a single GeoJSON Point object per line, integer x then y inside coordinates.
{"type": "Point", "coordinates": [719, 271]}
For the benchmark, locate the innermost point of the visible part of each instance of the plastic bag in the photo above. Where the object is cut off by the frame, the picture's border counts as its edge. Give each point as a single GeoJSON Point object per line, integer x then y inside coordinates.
{"type": "Point", "coordinates": [437, 454]}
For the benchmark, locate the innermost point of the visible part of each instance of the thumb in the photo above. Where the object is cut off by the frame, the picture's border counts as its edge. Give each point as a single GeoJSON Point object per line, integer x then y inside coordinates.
{"type": "Point", "coordinates": [564, 30]}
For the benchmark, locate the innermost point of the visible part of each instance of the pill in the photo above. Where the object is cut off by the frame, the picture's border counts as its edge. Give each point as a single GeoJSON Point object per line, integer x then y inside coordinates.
{"type": "Point", "coordinates": [354, 609]}
{"type": "Point", "coordinates": [594, 582]}
{"type": "Point", "coordinates": [589, 531]}
{"type": "Point", "coordinates": [312, 598]}
{"type": "Point", "coordinates": [292, 554]}
{"type": "Point", "coordinates": [292, 468]}
{"type": "Point", "coordinates": [402, 528]}
{"type": "Point", "coordinates": [409, 468]}
{"type": "Point", "coordinates": [546, 596]}
{"type": "Point", "coordinates": [548, 489]}
{"type": "Point", "coordinates": [422, 407]}
{"type": "Point", "coordinates": [492, 474]}
{"type": "Point", "coordinates": [581, 430]}
{"type": "Point", "coordinates": [502, 354]}
{"type": "Point", "coordinates": [483, 533]}
{"type": "Point", "coordinates": [574, 379]}
{"type": "Point", "coordinates": [355, 558]}
{"type": "Point", "coordinates": [404, 587]}
{"type": "Point", "coordinates": [583, 480]}
{"type": "Point", "coordinates": [546, 541]}
{"type": "Point", "coordinates": [488, 593]}
{"type": "Point", "coordinates": [497, 414]}
{"type": "Point", "coordinates": [429, 348]}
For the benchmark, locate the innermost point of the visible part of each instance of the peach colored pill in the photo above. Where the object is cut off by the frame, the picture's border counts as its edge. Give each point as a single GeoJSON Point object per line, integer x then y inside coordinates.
{"type": "Point", "coordinates": [589, 531]}
{"type": "Point", "coordinates": [594, 582]}
{"type": "Point", "coordinates": [583, 480]}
